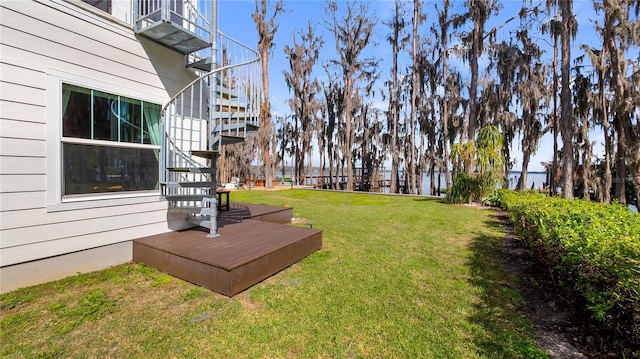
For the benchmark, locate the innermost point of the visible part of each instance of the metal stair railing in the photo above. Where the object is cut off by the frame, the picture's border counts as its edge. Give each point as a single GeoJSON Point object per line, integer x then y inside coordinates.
{"type": "Point", "coordinates": [217, 108]}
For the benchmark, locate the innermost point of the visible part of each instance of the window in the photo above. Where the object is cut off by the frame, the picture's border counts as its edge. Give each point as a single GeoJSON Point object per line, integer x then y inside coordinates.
{"type": "Point", "coordinates": [110, 143]}
{"type": "Point", "coordinates": [104, 5]}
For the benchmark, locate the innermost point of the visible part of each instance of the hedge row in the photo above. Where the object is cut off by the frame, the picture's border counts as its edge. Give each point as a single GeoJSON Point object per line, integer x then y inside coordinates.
{"type": "Point", "coordinates": [594, 248]}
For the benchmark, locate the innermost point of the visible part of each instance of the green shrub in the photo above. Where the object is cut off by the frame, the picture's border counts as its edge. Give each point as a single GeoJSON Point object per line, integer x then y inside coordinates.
{"type": "Point", "coordinates": [465, 189]}
{"type": "Point", "coordinates": [595, 248]}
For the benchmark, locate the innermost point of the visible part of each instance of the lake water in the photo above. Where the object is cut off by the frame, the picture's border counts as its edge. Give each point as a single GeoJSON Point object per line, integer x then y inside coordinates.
{"type": "Point", "coordinates": [534, 180]}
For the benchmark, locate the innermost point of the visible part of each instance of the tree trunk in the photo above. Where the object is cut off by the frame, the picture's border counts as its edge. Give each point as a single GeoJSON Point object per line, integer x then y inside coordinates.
{"type": "Point", "coordinates": [567, 123]}
{"type": "Point", "coordinates": [394, 103]}
{"type": "Point", "coordinates": [476, 46]}
{"type": "Point", "coordinates": [522, 181]}
{"type": "Point", "coordinates": [553, 185]}
{"type": "Point", "coordinates": [621, 167]}
{"type": "Point", "coordinates": [349, 129]}
{"type": "Point", "coordinates": [606, 191]}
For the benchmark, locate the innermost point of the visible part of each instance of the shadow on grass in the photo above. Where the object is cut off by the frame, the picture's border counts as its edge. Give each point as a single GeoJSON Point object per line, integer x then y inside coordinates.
{"type": "Point", "coordinates": [504, 332]}
{"type": "Point", "coordinates": [430, 199]}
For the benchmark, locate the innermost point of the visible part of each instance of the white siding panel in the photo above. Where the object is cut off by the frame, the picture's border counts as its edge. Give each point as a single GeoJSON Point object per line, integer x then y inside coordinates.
{"type": "Point", "coordinates": [76, 41]}
{"type": "Point", "coordinates": [22, 94]}
{"type": "Point", "coordinates": [57, 231]}
{"type": "Point", "coordinates": [147, 83]}
{"type": "Point", "coordinates": [69, 16]}
{"type": "Point", "coordinates": [70, 55]}
{"type": "Point", "coordinates": [37, 251]}
{"type": "Point", "coordinates": [21, 183]}
{"type": "Point", "coordinates": [22, 165]}
{"type": "Point", "coordinates": [22, 112]}
{"type": "Point", "coordinates": [22, 200]}
{"type": "Point", "coordinates": [21, 76]}
{"type": "Point", "coordinates": [37, 217]}
{"type": "Point", "coordinates": [20, 129]}
{"type": "Point", "coordinates": [22, 147]}
{"type": "Point", "coordinates": [76, 31]}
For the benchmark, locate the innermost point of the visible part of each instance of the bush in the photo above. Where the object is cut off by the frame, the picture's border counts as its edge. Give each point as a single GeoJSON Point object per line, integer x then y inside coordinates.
{"type": "Point", "coordinates": [465, 189]}
{"type": "Point", "coordinates": [594, 248]}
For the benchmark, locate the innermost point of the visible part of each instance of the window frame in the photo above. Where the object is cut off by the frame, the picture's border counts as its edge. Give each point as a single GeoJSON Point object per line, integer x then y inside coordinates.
{"type": "Point", "coordinates": [55, 140]}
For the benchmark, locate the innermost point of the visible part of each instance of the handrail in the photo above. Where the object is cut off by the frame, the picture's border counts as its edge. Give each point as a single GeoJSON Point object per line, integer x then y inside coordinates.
{"type": "Point", "coordinates": [212, 110]}
{"type": "Point", "coordinates": [219, 69]}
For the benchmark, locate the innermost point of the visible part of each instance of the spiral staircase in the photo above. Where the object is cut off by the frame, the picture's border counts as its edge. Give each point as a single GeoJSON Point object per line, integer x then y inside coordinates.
{"type": "Point", "coordinates": [218, 108]}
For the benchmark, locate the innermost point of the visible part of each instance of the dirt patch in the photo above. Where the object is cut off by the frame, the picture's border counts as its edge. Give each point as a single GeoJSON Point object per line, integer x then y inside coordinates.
{"type": "Point", "coordinates": [560, 330]}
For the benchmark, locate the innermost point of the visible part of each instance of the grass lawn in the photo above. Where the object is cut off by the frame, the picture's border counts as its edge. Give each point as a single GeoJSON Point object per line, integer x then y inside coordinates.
{"type": "Point", "coordinates": [396, 277]}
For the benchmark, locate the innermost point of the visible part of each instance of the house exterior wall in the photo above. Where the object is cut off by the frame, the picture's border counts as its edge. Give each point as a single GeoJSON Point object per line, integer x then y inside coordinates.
{"type": "Point", "coordinates": [42, 44]}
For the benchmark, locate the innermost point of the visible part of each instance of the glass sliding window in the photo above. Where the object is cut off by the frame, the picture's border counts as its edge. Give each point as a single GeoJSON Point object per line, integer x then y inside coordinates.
{"type": "Point", "coordinates": [130, 120]}
{"type": "Point", "coordinates": [97, 169]}
{"type": "Point", "coordinates": [76, 112]}
{"type": "Point", "coordinates": [92, 120]}
{"type": "Point", "coordinates": [105, 123]}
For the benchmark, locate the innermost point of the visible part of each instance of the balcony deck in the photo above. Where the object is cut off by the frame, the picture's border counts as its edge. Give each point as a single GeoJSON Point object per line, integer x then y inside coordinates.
{"type": "Point", "coordinates": [253, 245]}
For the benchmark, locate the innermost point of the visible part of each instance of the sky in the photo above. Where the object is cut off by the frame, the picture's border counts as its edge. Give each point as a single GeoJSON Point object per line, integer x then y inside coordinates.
{"type": "Point", "coordinates": [235, 21]}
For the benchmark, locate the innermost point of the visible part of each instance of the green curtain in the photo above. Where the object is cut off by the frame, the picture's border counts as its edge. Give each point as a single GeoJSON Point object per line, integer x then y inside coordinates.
{"type": "Point", "coordinates": [151, 114]}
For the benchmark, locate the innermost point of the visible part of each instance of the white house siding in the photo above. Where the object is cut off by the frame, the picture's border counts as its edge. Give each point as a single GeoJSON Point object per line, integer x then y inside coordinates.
{"type": "Point", "coordinates": [41, 237]}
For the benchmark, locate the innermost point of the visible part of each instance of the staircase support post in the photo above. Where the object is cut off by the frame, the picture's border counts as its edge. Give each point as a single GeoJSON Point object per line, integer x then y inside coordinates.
{"type": "Point", "coordinates": [213, 216]}
{"type": "Point", "coordinates": [213, 220]}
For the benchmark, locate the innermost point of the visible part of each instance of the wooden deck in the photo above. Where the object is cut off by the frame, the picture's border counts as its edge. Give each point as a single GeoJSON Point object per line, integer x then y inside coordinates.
{"type": "Point", "coordinates": [253, 245]}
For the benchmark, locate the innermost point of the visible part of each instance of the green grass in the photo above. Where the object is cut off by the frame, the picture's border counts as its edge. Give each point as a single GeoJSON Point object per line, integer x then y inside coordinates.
{"type": "Point", "coordinates": [396, 277]}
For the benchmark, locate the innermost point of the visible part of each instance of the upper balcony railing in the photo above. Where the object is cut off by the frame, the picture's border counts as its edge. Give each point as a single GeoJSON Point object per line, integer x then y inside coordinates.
{"type": "Point", "coordinates": [183, 25]}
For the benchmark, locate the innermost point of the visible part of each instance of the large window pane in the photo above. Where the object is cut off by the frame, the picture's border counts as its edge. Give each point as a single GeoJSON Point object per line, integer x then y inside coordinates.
{"type": "Point", "coordinates": [96, 169]}
{"type": "Point", "coordinates": [130, 120]}
{"type": "Point", "coordinates": [105, 116]}
{"type": "Point", "coordinates": [76, 112]}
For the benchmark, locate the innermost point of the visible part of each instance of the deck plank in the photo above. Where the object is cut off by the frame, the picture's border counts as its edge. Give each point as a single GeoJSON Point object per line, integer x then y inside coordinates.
{"type": "Point", "coordinates": [246, 252]}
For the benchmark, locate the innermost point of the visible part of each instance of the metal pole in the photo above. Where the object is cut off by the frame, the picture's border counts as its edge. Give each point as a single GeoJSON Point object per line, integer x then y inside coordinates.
{"type": "Point", "coordinates": [213, 85]}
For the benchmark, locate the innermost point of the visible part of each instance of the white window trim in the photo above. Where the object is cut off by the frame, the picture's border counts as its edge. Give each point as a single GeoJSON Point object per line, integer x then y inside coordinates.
{"type": "Point", "coordinates": [55, 202]}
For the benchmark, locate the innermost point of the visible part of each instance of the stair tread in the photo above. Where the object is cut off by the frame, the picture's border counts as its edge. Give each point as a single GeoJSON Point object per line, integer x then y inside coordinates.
{"type": "Point", "coordinates": [192, 169]}
{"type": "Point", "coordinates": [171, 184]}
{"type": "Point", "coordinates": [205, 153]}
